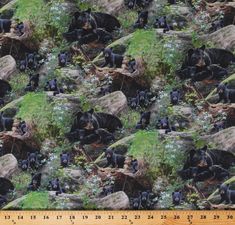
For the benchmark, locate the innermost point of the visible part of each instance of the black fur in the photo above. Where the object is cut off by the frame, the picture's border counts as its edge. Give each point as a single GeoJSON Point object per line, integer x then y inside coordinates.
{"type": "Point", "coordinates": [112, 59]}
{"type": "Point", "coordinates": [144, 120]}
{"type": "Point", "coordinates": [35, 182]}
{"type": "Point", "coordinates": [116, 160]}
{"type": "Point", "coordinates": [92, 20]}
{"type": "Point", "coordinates": [6, 122]}
{"type": "Point", "coordinates": [142, 20]}
{"type": "Point", "coordinates": [226, 94]}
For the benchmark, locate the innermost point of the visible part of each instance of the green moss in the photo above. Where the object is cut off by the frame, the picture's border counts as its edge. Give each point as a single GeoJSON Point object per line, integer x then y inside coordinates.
{"type": "Point", "coordinates": [52, 119]}
{"type": "Point", "coordinates": [143, 142]}
{"type": "Point", "coordinates": [21, 182]}
{"type": "Point", "coordinates": [36, 200]}
{"type": "Point", "coordinates": [127, 18]}
{"type": "Point", "coordinates": [18, 84]}
{"type": "Point", "coordinates": [47, 20]}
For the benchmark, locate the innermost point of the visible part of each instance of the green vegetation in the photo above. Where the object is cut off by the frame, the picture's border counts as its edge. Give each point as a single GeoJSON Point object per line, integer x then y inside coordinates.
{"type": "Point", "coordinates": [127, 19]}
{"type": "Point", "coordinates": [51, 119]}
{"type": "Point", "coordinates": [47, 19]}
{"type": "Point", "coordinates": [18, 84]}
{"type": "Point", "coordinates": [163, 156]}
{"type": "Point", "coordinates": [21, 182]}
{"type": "Point", "coordinates": [36, 200]}
{"type": "Point", "coordinates": [158, 54]}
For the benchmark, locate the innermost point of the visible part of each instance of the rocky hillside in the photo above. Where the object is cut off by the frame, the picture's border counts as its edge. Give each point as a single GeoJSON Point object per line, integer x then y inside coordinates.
{"type": "Point", "coordinates": [117, 104]}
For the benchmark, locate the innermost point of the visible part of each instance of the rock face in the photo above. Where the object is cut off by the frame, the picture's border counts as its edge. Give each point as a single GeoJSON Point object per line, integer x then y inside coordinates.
{"type": "Point", "coordinates": [65, 201]}
{"type": "Point", "coordinates": [113, 103]}
{"type": "Point", "coordinates": [113, 7]}
{"type": "Point", "coordinates": [224, 38]}
{"type": "Point", "coordinates": [8, 165]}
{"type": "Point", "coordinates": [116, 201]}
{"type": "Point", "coordinates": [7, 67]}
{"type": "Point", "coordinates": [223, 140]}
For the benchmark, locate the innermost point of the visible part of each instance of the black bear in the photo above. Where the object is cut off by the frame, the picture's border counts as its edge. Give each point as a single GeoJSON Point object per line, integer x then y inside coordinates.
{"type": "Point", "coordinates": [52, 86]}
{"type": "Point", "coordinates": [226, 194]}
{"type": "Point", "coordinates": [31, 60]}
{"type": "Point", "coordinates": [22, 127]}
{"type": "Point", "coordinates": [226, 94]}
{"type": "Point", "coordinates": [176, 197]}
{"type": "Point", "coordinates": [5, 87]}
{"type": "Point", "coordinates": [202, 57]}
{"type": "Point", "coordinates": [92, 20]}
{"type": "Point", "coordinates": [22, 65]}
{"type": "Point", "coordinates": [218, 126]}
{"type": "Point", "coordinates": [64, 159]}
{"type": "Point", "coordinates": [5, 25]}
{"type": "Point", "coordinates": [146, 198]}
{"type": "Point", "coordinates": [164, 124]}
{"type": "Point", "coordinates": [92, 121]}
{"type": "Point", "coordinates": [162, 23]}
{"type": "Point", "coordinates": [136, 203]}
{"type": "Point", "coordinates": [54, 185]}
{"type": "Point", "coordinates": [205, 158]}
{"type": "Point", "coordinates": [143, 98]}
{"type": "Point", "coordinates": [131, 65]}
{"type": "Point", "coordinates": [2, 102]}
{"type": "Point", "coordinates": [6, 122]}
{"type": "Point", "coordinates": [212, 71]}
{"type": "Point", "coordinates": [175, 96]}
{"type": "Point", "coordinates": [62, 59]}
{"type": "Point", "coordinates": [172, 2]}
{"type": "Point", "coordinates": [144, 120]}
{"type": "Point", "coordinates": [142, 20]}
{"type": "Point", "coordinates": [33, 82]}
{"type": "Point", "coordinates": [105, 90]}
{"type": "Point", "coordinates": [112, 59]}
{"type": "Point", "coordinates": [217, 72]}
{"type": "Point", "coordinates": [107, 190]}
{"type": "Point", "coordinates": [5, 187]}
{"type": "Point", "coordinates": [35, 182]}
{"type": "Point", "coordinates": [188, 72]}
{"type": "Point", "coordinates": [134, 165]}
{"type": "Point", "coordinates": [216, 25]}
{"type": "Point", "coordinates": [131, 4]}
{"type": "Point", "coordinates": [219, 173]}
{"type": "Point", "coordinates": [20, 28]}
{"type": "Point", "coordinates": [87, 36]}
{"type": "Point", "coordinates": [116, 160]}
{"type": "Point", "coordinates": [24, 164]}
{"type": "Point", "coordinates": [133, 102]}
{"type": "Point", "coordinates": [33, 160]}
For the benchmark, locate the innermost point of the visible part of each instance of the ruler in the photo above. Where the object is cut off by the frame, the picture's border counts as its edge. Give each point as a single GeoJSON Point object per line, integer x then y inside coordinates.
{"type": "Point", "coordinates": [117, 217]}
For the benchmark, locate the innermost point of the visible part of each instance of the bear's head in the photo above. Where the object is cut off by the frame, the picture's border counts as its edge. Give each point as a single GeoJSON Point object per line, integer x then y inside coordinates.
{"type": "Point", "coordinates": [86, 121]}
{"type": "Point", "coordinates": [197, 57]}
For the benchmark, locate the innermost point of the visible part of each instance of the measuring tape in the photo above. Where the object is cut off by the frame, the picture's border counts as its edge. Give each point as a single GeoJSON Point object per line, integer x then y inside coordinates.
{"type": "Point", "coordinates": [117, 217]}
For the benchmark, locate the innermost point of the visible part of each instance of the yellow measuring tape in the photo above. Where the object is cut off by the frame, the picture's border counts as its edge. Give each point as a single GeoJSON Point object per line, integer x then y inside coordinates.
{"type": "Point", "coordinates": [117, 217]}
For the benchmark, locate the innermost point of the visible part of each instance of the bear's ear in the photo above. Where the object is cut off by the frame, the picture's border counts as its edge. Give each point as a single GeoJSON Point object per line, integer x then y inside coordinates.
{"type": "Point", "coordinates": [57, 179]}
{"type": "Point", "coordinates": [203, 48]}
{"type": "Point", "coordinates": [167, 117]}
{"type": "Point", "coordinates": [159, 121]}
{"type": "Point", "coordinates": [171, 92]}
{"type": "Point", "coordinates": [173, 193]}
{"type": "Point", "coordinates": [91, 111]}
{"type": "Point", "coordinates": [88, 10]}
{"type": "Point", "coordinates": [55, 80]}
{"type": "Point", "coordinates": [190, 52]}
{"type": "Point", "coordinates": [164, 17]}
{"type": "Point", "coordinates": [76, 14]}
